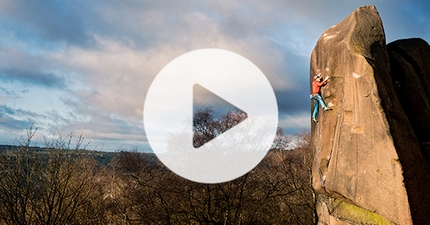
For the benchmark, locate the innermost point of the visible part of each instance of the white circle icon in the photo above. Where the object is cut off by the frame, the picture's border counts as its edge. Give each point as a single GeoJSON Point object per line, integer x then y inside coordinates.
{"type": "Point", "coordinates": [168, 115]}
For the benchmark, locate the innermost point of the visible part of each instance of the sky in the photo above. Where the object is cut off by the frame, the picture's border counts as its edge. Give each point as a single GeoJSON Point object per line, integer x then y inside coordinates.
{"type": "Point", "coordinates": [86, 66]}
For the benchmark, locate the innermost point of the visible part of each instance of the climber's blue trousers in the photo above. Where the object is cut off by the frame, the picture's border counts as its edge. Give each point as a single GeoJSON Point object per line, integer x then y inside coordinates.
{"type": "Point", "coordinates": [317, 99]}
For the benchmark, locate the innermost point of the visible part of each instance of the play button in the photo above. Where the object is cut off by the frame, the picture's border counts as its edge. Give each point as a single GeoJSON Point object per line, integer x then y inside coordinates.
{"type": "Point", "coordinates": [214, 117]}
{"type": "Point", "coordinates": [202, 78]}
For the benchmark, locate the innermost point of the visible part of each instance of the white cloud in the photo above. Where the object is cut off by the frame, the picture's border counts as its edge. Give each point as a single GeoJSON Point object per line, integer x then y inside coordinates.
{"type": "Point", "coordinates": [295, 122]}
{"type": "Point", "coordinates": [108, 53]}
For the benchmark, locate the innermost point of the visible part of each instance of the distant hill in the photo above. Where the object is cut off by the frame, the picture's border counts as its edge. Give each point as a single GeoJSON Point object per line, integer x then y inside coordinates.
{"type": "Point", "coordinates": [103, 158]}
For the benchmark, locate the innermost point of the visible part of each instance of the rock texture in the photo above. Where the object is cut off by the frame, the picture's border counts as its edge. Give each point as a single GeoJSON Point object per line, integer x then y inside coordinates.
{"type": "Point", "coordinates": [410, 72]}
{"type": "Point", "coordinates": [368, 165]}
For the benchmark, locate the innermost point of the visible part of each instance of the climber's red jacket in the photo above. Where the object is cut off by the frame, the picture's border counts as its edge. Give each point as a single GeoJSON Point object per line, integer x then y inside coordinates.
{"type": "Point", "coordinates": [316, 86]}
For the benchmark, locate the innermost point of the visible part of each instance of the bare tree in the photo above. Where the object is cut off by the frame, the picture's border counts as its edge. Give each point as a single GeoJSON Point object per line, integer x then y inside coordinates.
{"type": "Point", "coordinates": [58, 186]}
{"type": "Point", "coordinates": [277, 191]}
{"type": "Point", "coordinates": [63, 184]}
{"type": "Point", "coordinates": [207, 125]}
{"type": "Point", "coordinates": [18, 171]}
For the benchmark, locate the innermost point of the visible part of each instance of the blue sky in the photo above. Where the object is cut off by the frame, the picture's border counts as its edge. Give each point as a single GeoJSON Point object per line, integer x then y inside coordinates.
{"type": "Point", "coordinates": [85, 66]}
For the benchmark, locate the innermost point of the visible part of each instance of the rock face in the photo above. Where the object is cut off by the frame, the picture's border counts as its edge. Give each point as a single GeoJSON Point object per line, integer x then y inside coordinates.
{"type": "Point", "coordinates": [368, 164]}
{"type": "Point", "coordinates": [410, 72]}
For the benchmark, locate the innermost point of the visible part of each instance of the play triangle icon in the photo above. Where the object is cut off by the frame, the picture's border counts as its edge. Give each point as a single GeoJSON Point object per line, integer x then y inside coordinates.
{"type": "Point", "coordinates": [192, 121]}
{"type": "Point", "coordinates": [212, 115]}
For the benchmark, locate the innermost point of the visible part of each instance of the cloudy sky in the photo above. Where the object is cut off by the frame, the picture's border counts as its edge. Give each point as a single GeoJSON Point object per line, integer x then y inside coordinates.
{"type": "Point", "coordinates": [85, 66]}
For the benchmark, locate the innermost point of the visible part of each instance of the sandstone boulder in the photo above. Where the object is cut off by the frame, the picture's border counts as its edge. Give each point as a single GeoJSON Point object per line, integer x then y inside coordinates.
{"type": "Point", "coordinates": [410, 72]}
{"type": "Point", "coordinates": [368, 166]}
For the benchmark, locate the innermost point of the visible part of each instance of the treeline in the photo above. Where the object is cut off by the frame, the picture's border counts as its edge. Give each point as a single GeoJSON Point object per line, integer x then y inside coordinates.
{"type": "Point", "coordinates": [66, 185]}
{"type": "Point", "coordinates": [102, 158]}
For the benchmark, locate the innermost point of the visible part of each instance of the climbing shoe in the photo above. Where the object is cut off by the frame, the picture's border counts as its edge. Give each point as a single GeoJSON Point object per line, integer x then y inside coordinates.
{"type": "Point", "coordinates": [327, 108]}
{"type": "Point", "coordinates": [315, 120]}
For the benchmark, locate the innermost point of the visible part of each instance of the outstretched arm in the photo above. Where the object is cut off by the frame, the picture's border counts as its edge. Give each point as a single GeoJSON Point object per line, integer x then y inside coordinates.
{"type": "Point", "coordinates": [321, 83]}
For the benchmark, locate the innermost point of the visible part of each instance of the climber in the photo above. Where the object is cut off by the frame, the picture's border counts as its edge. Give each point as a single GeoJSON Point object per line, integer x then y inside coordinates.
{"type": "Point", "coordinates": [316, 87]}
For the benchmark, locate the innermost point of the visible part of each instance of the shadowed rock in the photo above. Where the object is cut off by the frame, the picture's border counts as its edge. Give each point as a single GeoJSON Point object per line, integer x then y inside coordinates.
{"type": "Point", "coordinates": [410, 72]}
{"type": "Point", "coordinates": [368, 166]}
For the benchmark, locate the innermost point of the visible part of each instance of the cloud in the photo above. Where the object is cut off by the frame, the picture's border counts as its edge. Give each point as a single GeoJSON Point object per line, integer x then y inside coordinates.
{"type": "Point", "coordinates": [294, 123]}
{"type": "Point", "coordinates": [19, 66]}
{"type": "Point", "coordinates": [14, 122]}
{"type": "Point", "coordinates": [44, 22]}
{"type": "Point", "coordinates": [87, 65]}
{"type": "Point", "coordinates": [34, 78]}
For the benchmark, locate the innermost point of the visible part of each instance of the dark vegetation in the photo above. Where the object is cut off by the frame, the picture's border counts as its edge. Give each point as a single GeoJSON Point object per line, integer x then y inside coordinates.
{"type": "Point", "coordinates": [65, 184]}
